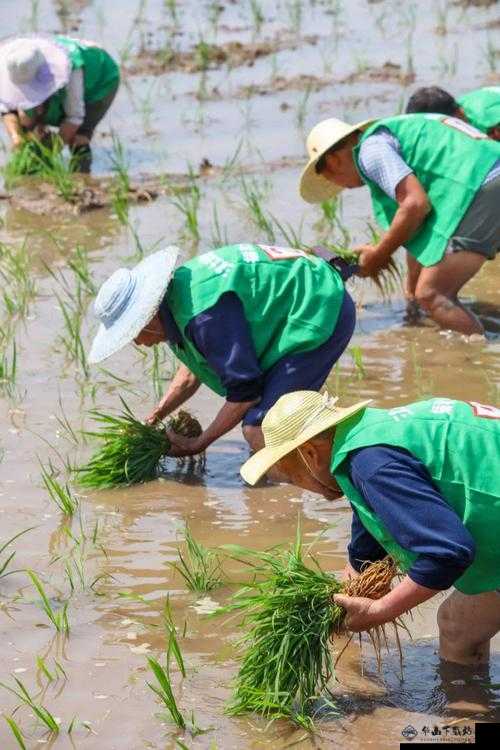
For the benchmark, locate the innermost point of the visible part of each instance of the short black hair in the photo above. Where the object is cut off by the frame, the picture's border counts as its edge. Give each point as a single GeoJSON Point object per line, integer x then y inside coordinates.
{"type": "Point", "coordinates": [432, 99]}
{"type": "Point", "coordinates": [320, 164]}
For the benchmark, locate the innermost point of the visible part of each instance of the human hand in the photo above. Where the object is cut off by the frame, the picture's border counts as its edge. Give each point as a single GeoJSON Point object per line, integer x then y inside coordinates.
{"type": "Point", "coordinates": [371, 260]}
{"type": "Point", "coordinates": [362, 613]}
{"type": "Point", "coordinates": [348, 572]}
{"type": "Point", "coordinates": [184, 446]}
{"type": "Point", "coordinates": [155, 416]}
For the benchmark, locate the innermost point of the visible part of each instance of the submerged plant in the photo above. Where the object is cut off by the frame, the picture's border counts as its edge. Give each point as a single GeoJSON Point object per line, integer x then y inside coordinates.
{"type": "Point", "coordinates": [58, 617]}
{"type": "Point", "coordinates": [291, 619]}
{"type": "Point", "coordinates": [200, 567]}
{"type": "Point", "coordinates": [130, 450]}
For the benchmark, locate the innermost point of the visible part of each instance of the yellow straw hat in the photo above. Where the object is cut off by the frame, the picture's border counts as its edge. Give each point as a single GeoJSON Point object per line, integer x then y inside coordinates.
{"type": "Point", "coordinates": [314, 188]}
{"type": "Point", "coordinates": [293, 420]}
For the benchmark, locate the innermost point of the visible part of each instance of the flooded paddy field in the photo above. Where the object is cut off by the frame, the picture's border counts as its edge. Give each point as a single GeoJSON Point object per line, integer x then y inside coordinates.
{"type": "Point", "coordinates": [216, 98]}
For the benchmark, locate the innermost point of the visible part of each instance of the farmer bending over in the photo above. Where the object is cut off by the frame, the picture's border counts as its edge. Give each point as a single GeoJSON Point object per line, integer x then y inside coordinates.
{"type": "Point", "coordinates": [424, 487]}
{"type": "Point", "coordinates": [481, 108]}
{"type": "Point", "coordinates": [62, 82]}
{"type": "Point", "coordinates": [434, 182]}
{"type": "Point", "coordinates": [250, 321]}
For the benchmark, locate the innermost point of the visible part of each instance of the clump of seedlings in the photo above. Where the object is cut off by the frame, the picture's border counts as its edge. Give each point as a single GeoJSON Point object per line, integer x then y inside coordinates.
{"type": "Point", "coordinates": [43, 159]}
{"type": "Point", "coordinates": [292, 621]}
{"type": "Point", "coordinates": [199, 566]}
{"type": "Point", "coordinates": [130, 450]}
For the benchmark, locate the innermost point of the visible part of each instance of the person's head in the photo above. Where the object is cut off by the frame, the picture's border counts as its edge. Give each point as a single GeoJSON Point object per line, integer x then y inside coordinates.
{"type": "Point", "coordinates": [298, 433]}
{"type": "Point", "coordinates": [337, 165]}
{"type": "Point", "coordinates": [332, 166]}
{"type": "Point", "coordinates": [434, 100]}
{"type": "Point", "coordinates": [128, 302]}
{"type": "Point", "coordinates": [32, 68]}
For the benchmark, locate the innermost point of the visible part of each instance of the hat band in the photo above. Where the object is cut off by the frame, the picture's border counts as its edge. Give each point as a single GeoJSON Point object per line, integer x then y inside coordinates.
{"type": "Point", "coordinates": [117, 303]}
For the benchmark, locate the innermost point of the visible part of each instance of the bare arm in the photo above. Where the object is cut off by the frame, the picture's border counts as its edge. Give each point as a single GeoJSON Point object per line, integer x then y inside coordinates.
{"type": "Point", "coordinates": [363, 613]}
{"type": "Point", "coordinates": [228, 417]}
{"type": "Point", "coordinates": [182, 387]}
{"type": "Point", "coordinates": [13, 128]}
{"type": "Point", "coordinates": [412, 209]}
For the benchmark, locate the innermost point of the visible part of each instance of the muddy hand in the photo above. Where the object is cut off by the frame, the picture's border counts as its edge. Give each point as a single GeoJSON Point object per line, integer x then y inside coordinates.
{"type": "Point", "coordinates": [183, 446]}
{"type": "Point", "coordinates": [361, 612]}
{"type": "Point", "coordinates": [371, 261]}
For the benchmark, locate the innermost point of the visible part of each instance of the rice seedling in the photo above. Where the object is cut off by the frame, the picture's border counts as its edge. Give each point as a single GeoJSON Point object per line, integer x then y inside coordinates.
{"type": "Point", "coordinates": [187, 201]}
{"type": "Point", "coordinates": [161, 369]}
{"type": "Point", "coordinates": [257, 15]}
{"type": "Point", "coordinates": [71, 339]}
{"type": "Point", "coordinates": [4, 564]}
{"type": "Point", "coordinates": [60, 494]}
{"type": "Point", "coordinates": [8, 370]}
{"type": "Point", "coordinates": [16, 731]}
{"type": "Point", "coordinates": [130, 450]}
{"type": "Point", "coordinates": [172, 642]}
{"type": "Point", "coordinates": [44, 160]}
{"type": "Point", "coordinates": [291, 619]}
{"type": "Point", "coordinates": [200, 567]}
{"type": "Point", "coordinates": [19, 288]}
{"type": "Point", "coordinates": [58, 617]}
{"type": "Point", "coordinates": [294, 10]}
{"type": "Point", "coordinates": [219, 236]}
{"type": "Point", "coordinates": [172, 9]}
{"type": "Point", "coordinates": [302, 109]}
{"type": "Point", "coordinates": [254, 196]}
{"type": "Point", "coordinates": [165, 693]}
{"type": "Point", "coordinates": [40, 711]}
{"type": "Point", "coordinates": [357, 356]}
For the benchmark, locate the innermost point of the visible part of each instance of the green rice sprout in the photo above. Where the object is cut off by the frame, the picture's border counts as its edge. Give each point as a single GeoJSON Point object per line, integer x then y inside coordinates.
{"type": "Point", "coordinates": [60, 494]}
{"type": "Point", "coordinates": [58, 617]}
{"type": "Point", "coordinates": [165, 693]}
{"type": "Point", "coordinates": [40, 711]}
{"type": "Point", "coordinates": [255, 196]}
{"type": "Point", "coordinates": [8, 370]}
{"type": "Point", "coordinates": [173, 647]}
{"type": "Point", "coordinates": [44, 160]}
{"type": "Point", "coordinates": [187, 201]}
{"type": "Point", "coordinates": [4, 564]}
{"type": "Point", "coordinates": [129, 450]}
{"type": "Point", "coordinates": [200, 567]}
{"type": "Point", "coordinates": [291, 618]}
{"type": "Point", "coordinates": [16, 731]}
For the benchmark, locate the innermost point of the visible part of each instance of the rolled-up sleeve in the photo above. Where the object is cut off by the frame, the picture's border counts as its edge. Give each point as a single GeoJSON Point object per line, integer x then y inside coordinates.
{"type": "Point", "coordinates": [74, 101]}
{"type": "Point", "coordinates": [222, 335]}
{"type": "Point", "coordinates": [398, 488]}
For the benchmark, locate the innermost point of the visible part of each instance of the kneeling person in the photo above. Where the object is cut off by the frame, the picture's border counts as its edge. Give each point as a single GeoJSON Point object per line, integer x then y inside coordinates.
{"type": "Point", "coordinates": [251, 322]}
{"type": "Point", "coordinates": [423, 487]}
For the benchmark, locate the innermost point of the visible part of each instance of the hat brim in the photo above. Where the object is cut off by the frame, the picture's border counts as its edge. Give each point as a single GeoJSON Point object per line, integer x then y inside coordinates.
{"type": "Point", "coordinates": [260, 463]}
{"type": "Point", "coordinates": [34, 93]}
{"type": "Point", "coordinates": [152, 277]}
{"type": "Point", "coordinates": [314, 188]}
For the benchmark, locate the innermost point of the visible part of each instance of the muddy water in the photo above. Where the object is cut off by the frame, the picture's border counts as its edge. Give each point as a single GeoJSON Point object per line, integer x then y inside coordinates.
{"type": "Point", "coordinates": [166, 122]}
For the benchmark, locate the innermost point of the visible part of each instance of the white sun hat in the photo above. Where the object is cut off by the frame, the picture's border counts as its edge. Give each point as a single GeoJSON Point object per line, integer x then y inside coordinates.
{"type": "Point", "coordinates": [32, 68]}
{"type": "Point", "coordinates": [294, 419]}
{"type": "Point", "coordinates": [128, 300]}
{"type": "Point", "coordinates": [314, 188]}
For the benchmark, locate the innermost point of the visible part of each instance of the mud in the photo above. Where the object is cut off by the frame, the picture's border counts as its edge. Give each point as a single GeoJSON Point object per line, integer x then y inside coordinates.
{"type": "Point", "coordinates": [210, 56]}
{"type": "Point", "coordinates": [89, 194]}
{"type": "Point", "coordinates": [124, 541]}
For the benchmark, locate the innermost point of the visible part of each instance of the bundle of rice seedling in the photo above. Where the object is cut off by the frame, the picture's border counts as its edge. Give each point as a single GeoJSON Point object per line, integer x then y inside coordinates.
{"type": "Point", "coordinates": [387, 279]}
{"type": "Point", "coordinates": [292, 619]}
{"type": "Point", "coordinates": [130, 450]}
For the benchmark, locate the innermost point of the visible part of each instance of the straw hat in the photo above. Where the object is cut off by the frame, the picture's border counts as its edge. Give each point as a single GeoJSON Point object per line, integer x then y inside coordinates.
{"type": "Point", "coordinates": [315, 188]}
{"type": "Point", "coordinates": [32, 68]}
{"type": "Point", "coordinates": [128, 300]}
{"type": "Point", "coordinates": [293, 420]}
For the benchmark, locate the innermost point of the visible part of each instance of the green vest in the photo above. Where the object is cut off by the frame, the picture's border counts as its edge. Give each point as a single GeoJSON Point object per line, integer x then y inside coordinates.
{"type": "Point", "coordinates": [450, 159]}
{"type": "Point", "coordinates": [100, 76]}
{"type": "Point", "coordinates": [482, 107]}
{"type": "Point", "coordinates": [459, 443]}
{"type": "Point", "coordinates": [291, 301]}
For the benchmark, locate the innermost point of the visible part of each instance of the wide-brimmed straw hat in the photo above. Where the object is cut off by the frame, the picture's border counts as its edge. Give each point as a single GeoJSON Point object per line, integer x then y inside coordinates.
{"type": "Point", "coordinates": [314, 188]}
{"type": "Point", "coordinates": [128, 300]}
{"type": "Point", "coordinates": [32, 68]}
{"type": "Point", "coordinates": [293, 420]}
